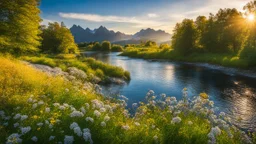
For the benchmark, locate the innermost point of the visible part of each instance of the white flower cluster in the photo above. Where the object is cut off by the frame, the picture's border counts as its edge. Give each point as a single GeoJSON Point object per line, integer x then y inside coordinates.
{"type": "Point", "coordinates": [87, 135]}
{"type": "Point", "coordinates": [89, 119]}
{"type": "Point", "coordinates": [76, 114]}
{"type": "Point", "coordinates": [97, 113]}
{"type": "Point", "coordinates": [14, 138]}
{"type": "Point", "coordinates": [125, 127]}
{"type": "Point", "coordinates": [215, 131]}
{"type": "Point", "coordinates": [25, 130]}
{"type": "Point", "coordinates": [68, 139]}
{"type": "Point", "coordinates": [176, 120]}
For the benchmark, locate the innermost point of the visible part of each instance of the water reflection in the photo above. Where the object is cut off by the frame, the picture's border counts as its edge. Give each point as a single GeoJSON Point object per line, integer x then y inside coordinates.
{"type": "Point", "coordinates": [232, 94]}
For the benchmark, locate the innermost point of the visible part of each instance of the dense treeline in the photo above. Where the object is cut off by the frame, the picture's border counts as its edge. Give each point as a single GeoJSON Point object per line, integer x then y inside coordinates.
{"type": "Point", "coordinates": [229, 31]}
{"type": "Point", "coordinates": [104, 46]}
{"type": "Point", "coordinates": [21, 33]}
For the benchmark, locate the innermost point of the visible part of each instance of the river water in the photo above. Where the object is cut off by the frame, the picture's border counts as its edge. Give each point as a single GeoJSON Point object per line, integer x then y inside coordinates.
{"type": "Point", "coordinates": [233, 94]}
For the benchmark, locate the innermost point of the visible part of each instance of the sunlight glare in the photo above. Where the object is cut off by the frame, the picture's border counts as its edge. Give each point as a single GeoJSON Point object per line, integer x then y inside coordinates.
{"type": "Point", "coordinates": [251, 17]}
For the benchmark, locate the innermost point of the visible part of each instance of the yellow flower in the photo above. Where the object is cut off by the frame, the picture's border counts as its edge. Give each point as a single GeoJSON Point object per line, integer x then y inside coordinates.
{"type": "Point", "coordinates": [38, 129]}
{"type": "Point", "coordinates": [185, 89]}
{"type": "Point", "coordinates": [41, 111]}
{"type": "Point", "coordinates": [53, 121]}
{"type": "Point", "coordinates": [204, 95]}
{"type": "Point", "coordinates": [35, 117]}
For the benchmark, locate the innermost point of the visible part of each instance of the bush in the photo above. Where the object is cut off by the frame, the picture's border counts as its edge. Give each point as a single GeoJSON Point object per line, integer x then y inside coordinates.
{"type": "Point", "coordinates": [117, 48]}
{"type": "Point", "coordinates": [106, 46]}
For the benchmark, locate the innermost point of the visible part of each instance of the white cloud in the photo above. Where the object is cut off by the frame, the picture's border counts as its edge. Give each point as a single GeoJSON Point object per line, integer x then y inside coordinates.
{"type": "Point", "coordinates": [152, 15]}
{"type": "Point", "coordinates": [138, 22]}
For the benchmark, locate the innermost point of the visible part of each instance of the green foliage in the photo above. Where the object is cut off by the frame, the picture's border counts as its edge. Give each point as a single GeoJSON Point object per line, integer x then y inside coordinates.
{"type": "Point", "coordinates": [150, 44]}
{"type": "Point", "coordinates": [96, 46]}
{"type": "Point", "coordinates": [184, 37]}
{"type": "Point", "coordinates": [105, 46]}
{"type": "Point", "coordinates": [19, 22]}
{"type": "Point", "coordinates": [117, 48]}
{"type": "Point", "coordinates": [164, 46]}
{"type": "Point", "coordinates": [88, 65]}
{"type": "Point", "coordinates": [58, 39]}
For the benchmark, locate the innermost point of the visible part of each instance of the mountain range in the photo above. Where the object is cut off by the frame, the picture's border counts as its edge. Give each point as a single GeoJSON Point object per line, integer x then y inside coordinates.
{"type": "Point", "coordinates": [102, 33]}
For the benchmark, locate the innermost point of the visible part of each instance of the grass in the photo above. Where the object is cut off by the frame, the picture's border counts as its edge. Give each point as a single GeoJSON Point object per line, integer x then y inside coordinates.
{"type": "Point", "coordinates": [88, 65]}
{"type": "Point", "coordinates": [26, 91]}
{"type": "Point", "coordinates": [169, 54]}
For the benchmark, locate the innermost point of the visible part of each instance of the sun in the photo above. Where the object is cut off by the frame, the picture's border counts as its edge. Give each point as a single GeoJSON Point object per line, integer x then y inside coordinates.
{"type": "Point", "coordinates": [251, 17]}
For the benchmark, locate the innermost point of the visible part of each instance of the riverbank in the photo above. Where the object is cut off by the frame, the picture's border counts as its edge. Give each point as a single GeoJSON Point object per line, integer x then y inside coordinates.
{"type": "Point", "coordinates": [224, 60]}
{"type": "Point", "coordinates": [63, 111]}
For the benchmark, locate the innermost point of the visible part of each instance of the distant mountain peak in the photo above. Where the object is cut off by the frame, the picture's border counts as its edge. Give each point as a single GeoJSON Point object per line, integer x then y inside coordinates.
{"type": "Point", "coordinates": [102, 33]}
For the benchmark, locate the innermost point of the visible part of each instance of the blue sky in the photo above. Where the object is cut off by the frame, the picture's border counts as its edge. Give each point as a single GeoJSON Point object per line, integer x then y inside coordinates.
{"type": "Point", "coordinates": [130, 16]}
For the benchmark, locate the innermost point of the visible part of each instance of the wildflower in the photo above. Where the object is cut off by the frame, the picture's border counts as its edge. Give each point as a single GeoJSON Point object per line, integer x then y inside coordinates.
{"type": "Point", "coordinates": [134, 105]}
{"type": "Point", "coordinates": [89, 119]}
{"type": "Point", "coordinates": [66, 105]}
{"type": "Point", "coordinates": [14, 138]}
{"type": "Point", "coordinates": [73, 125]}
{"type": "Point", "coordinates": [103, 124]}
{"type": "Point", "coordinates": [87, 135]}
{"type": "Point", "coordinates": [25, 130]}
{"type": "Point", "coordinates": [40, 124]}
{"type": "Point", "coordinates": [51, 138]}
{"type": "Point", "coordinates": [83, 110]}
{"type": "Point", "coordinates": [17, 116]}
{"type": "Point", "coordinates": [34, 138]}
{"type": "Point", "coordinates": [56, 104]}
{"type": "Point", "coordinates": [190, 122]}
{"type": "Point", "coordinates": [46, 122]}
{"type": "Point", "coordinates": [40, 102]}
{"type": "Point", "coordinates": [126, 127]}
{"type": "Point", "coordinates": [34, 105]}
{"type": "Point", "coordinates": [47, 110]}
{"type": "Point", "coordinates": [211, 104]}
{"type": "Point", "coordinates": [97, 113]}
{"type": "Point", "coordinates": [87, 106]}
{"type": "Point", "coordinates": [78, 131]}
{"type": "Point", "coordinates": [67, 90]}
{"type": "Point", "coordinates": [62, 107]}
{"type": "Point", "coordinates": [155, 137]}
{"type": "Point", "coordinates": [30, 100]}
{"type": "Point", "coordinates": [16, 125]}
{"type": "Point", "coordinates": [23, 117]}
{"type": "Point", "coordinates": [137, 124]}
{"type": "Point", "coordinates": [50, 126]}
{"type": "Point", "coordinates": [68, 139]}
{"type": "Point", "coordinates": [203, 95]}
{"type": "Point", "coordinates": [106, 118]}
{"type": "Point", "coordinates": [35, 117]}
{"type": "Point", "coordinates": [176, 120]}
{"type": "Point", "coordinates": [76, 114]}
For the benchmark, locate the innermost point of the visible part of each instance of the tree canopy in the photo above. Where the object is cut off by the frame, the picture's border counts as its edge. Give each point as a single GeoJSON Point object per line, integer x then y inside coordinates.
{"type": "Point", "coordinates": [19, 26]}
{"type": "Point", "coordinates": [58, 39]}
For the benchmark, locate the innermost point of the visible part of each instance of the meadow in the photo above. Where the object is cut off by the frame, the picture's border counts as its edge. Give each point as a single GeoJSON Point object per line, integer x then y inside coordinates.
{"type": "Point", "coordinates": [227, 60]}
{"type": "Point", "coordinates": [36, 107]}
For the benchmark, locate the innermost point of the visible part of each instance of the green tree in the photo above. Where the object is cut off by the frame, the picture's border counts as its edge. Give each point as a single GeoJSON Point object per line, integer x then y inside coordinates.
{"type": "Point", "coordinates": [184, 37]}
{"type": "Point", "coordinates": [58, 39]}
{"type": "Point", "coordinates": [106, 46]}
{"type": "Point", "coordinates": [150, 44]}
{"type": "Point", "coordinates": [19, 26]}
{"type": "Point", "coordinates": [96, 46]}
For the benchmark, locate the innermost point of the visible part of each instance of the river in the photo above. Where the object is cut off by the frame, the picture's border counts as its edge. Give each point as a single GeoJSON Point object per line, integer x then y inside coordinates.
{"type": "Point", "coordinates": [233, 94]}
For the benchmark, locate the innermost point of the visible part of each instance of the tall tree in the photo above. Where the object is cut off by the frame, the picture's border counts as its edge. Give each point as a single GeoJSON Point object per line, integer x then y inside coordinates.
{"type": "Point", "coordinates": [184, 37]}
{"type": "Point", "coordinates": [19, 26]}
{"type": "Point", "coordinates": [57, 39]}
